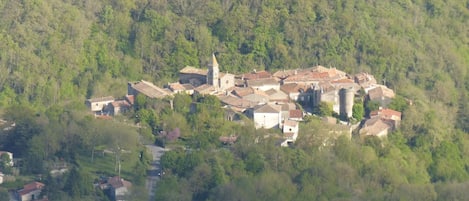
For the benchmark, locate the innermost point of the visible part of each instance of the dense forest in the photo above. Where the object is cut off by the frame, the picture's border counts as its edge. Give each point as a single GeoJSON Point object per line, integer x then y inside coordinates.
{"type": "Point", "coordinates": [54, 54]}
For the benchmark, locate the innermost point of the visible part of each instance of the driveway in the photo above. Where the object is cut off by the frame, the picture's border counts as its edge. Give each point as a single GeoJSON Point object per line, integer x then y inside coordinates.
{"type": "Point", "coordinates": [152, 174]}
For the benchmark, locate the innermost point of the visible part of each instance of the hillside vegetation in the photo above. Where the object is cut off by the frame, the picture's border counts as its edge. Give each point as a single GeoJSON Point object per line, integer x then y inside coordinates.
{"type": "Point", "coordinates": [54, 54]}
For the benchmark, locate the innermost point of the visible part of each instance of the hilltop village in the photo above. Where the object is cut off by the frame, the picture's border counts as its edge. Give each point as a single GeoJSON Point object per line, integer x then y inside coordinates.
{"type": "Point", "coordinates": [278, 100]}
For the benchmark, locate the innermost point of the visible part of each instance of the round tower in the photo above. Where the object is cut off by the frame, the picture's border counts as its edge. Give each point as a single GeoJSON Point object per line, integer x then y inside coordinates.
{"type": "Point", "coordinates": [346, 102]}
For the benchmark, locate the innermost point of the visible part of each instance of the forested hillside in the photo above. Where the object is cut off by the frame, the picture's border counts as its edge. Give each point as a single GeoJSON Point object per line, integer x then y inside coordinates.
{"type": "Point", "coordinates": [56, 53]}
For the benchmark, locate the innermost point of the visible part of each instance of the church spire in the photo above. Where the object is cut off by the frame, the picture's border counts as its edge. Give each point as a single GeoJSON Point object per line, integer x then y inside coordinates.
{"type": "Point", "coordinates": [214, 61]}
{"type": "Point", "coordinates": [213, 72]}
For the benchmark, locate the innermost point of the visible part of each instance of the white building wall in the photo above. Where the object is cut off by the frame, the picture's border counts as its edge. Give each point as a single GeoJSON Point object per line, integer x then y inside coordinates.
{"type": "Point", "coordinates": [266, 120]}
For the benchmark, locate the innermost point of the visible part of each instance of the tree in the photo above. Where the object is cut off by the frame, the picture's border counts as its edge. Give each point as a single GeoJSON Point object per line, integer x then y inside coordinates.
{"type": "Point", "coordinates": [77, 184]}
{"type": "Point", "coordinates": [371, 106]}
{"type": "Point", "coordinates": [398, 103]}
{"type": "Point", "coordinates": [358, 112]}
{"type": "Point", "coordinates": [325, 109]}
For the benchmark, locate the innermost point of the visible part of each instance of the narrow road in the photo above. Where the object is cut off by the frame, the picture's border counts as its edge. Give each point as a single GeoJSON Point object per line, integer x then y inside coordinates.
{"type": "Point", "coordinates": [152, 174]}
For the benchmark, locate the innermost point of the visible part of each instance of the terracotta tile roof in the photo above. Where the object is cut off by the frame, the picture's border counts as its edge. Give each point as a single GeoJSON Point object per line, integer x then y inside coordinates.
{"type": "Point", "coordinates": [117, 182]}
{"type": "Point", "coordinates": [130, 99]}
{"type": "Point", "coordinates": [282, 74]}
{"type": "Point", "coordinates": [255, 75]}
{"type": "Point", "coordinates": [120, 103]}
{"type": "Point", "coordinates": [267, 108]}
{"type": "Point", "coordinates": [149, 89]}
{"type": "Point", "coordinates": [379, 92]}
{"type": "Point", "coordinates": [387, 114]}
{"type": "Point", "coordinates": [28, 188]}
{"type": "Point", "coordinates": [364, 79]}
{"type": "Point", "coordinates": [193, 70]}
{"type": "Point", "coordinates": [296, 114]}
{"type": "Point", "coordinates": [205, 89]}
{"type": "Point", "coordinates": [236, 102]}
{"type": "Point", "coordinates": [262, 82]}
{"type": "Point", "coordinates": [176, 86]}
{"type": "Point", "coordinates": [293, 87]}
{"type": "Point", "coordinates": [188, 86]}
{"type": "Point", "coordinates": [374, 126]}
{"type": "Point", "coordinates": [242, 91]}
{"type": "Point", "coordinates": [307, 76]}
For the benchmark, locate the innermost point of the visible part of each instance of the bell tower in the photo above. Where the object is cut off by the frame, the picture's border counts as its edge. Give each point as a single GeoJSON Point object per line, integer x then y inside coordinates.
{"type": "Point", "coordinates": [213, 72]}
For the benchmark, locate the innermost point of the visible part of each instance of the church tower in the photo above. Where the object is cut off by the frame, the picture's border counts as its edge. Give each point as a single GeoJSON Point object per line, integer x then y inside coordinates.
{"type": "Point", "coordinates": [213, 72]}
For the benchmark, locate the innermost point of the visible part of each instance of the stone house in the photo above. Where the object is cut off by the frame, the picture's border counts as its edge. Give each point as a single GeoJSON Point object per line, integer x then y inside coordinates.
{"type": "Point", "coordinates": [30, 191]}
{"type": "Point", "coordinates": [118, 188]}
{"type": "Point", "coordinates": [193, 76]}
{"type": "Point", "coordinates": [99, 104]}
{"type": "Point", "coordinates": [267, 116]}
{"type": "Point", "coordinates": [264, 84]}
{"type": "Point", "coordinates": [290, 130]}
{"type": "Point", "coordinates": [376, 127]}
{"type": "Point", "coordinates": [120, 106]}
{"type": "Point", "coordinates": [381, 94]}
{"type": "Point", "coordinates": [147, 89]}
{"type": "Point", "coordinates": [387, 114]}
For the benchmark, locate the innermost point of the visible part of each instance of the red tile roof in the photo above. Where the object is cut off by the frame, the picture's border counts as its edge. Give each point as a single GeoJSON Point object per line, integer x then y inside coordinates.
{"type": "Point", "coordinates": [28, 188]}
{"type": "Point", "coordinates": [296, 114]}
{"type": "Point", "coordinates": [117, 182]}
{"type": "Point", "coordinates": [387, 114]}
{"type": "Point", "coordinates": [293, 87]}
{"type": "Point", "coordinates": [120, 103]}
{"type": "Point", "coordinates": [130, 99]}
{"type": "Point", "coordinates": [256, 75]}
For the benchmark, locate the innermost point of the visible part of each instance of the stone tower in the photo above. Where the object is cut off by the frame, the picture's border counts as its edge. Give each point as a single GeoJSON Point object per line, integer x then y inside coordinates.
{"type": "Point", "coordinates": [213, 72]}
{"type": "Point", "coordinates": [346, 102]}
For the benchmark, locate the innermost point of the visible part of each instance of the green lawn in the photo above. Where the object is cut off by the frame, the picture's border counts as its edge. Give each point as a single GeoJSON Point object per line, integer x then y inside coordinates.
{"type": "Point", "coordinates": [104, 164]}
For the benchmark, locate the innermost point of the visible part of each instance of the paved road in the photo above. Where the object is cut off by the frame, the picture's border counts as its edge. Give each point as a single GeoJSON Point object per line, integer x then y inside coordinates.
{"type": "Point", "coordinates": [152, 174]}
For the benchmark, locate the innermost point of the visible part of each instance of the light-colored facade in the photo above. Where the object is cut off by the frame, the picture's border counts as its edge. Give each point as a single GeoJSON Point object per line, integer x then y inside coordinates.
{"type": "Point", "coordinates": [31, 191]}
{"type": "Point", "coordinates": [267, 116]}
{"type": "Point", "coordinates": [99, 104]}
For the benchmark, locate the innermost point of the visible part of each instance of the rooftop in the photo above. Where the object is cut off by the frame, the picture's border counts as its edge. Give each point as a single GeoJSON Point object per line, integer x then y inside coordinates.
{"type": "Point", "coordinates": [379, 92]}
{"type": "Point", "coordinates": [293, 87]}
{"type": "Point", "coordinates": [149, 89]}
{"type": "Point", "coordinates": [387, 114]}
{"type": "Point", "coordinates": [296, 114]}
{"type": "Point", "coordinates": [267, 108]}
{"type": "Point", "coordinates": [205, 89]}
{"type": "Point", "coordinates": [117, 182]}
{"type": "Point", "coordinates": [30, 187]}
{"type": "Point", "coordinates": [255, 75]}
{"type": "Point", "coordinates": [193, 70]}
{"type": "Point", "coordinates": [262, 82]}
{"type": "Point", "coordinates": [120, 103]}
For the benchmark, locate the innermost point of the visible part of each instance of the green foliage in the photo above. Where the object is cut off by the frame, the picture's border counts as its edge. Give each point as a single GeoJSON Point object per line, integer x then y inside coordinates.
{"type": "Point", "coordinates": [325, 109]}
{"type": "Point", "coordinates": [76, 185]}
{"type": "Point", "coordinates": [92, 48]}
{"type": "Point", "coordinates": [398, 103]}
{"type": "Point", "coordinates": [371, 106]}
{"type": "Point", "coordinates": [358, 111]}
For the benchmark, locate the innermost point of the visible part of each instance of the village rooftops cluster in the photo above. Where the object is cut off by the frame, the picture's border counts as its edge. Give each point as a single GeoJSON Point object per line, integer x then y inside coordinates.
{"type": "Point", "coordinates": [261, 95]}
